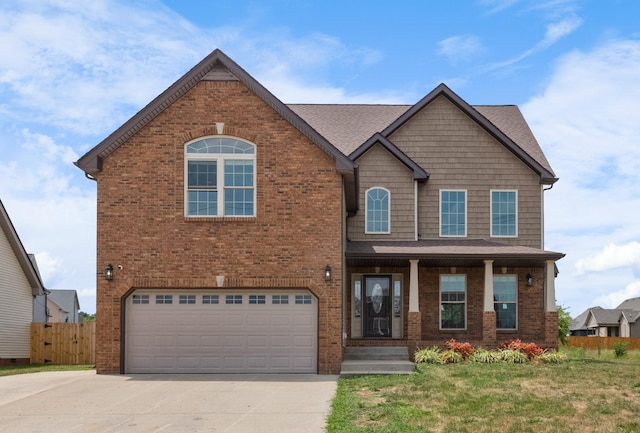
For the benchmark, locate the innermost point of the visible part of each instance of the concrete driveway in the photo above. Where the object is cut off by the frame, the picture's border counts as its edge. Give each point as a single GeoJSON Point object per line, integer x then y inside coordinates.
{"type": "Point", "coordinates": [82, 401]}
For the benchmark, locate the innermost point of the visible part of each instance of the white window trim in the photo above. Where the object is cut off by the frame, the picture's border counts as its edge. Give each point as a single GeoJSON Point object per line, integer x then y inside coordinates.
{"type": "Point", "coordinates": [366, 211]}
{"type": "Point", "coordinates": [514, 302]}
{"type": "Point", "coordinates": [491, 212]}
{"type": "Point", "coordinates": [466, 212]}
{"type": "Point", "coordinates": [219, 158]}
{"type": "Point", "coordinates": [466, 302]}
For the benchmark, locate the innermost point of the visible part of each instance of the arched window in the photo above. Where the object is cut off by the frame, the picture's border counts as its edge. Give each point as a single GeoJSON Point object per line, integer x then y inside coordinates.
{"type": "Point", "coordinates": [220, 177]}
{"type": "Point", "coordinates": [377, 211]}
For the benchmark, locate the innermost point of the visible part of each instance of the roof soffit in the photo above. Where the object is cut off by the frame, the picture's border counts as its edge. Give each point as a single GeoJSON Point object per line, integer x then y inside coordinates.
{"type": "Point", "coordinates": [546, 176]}
{"type": "Point", "coordinates": [215, 67]}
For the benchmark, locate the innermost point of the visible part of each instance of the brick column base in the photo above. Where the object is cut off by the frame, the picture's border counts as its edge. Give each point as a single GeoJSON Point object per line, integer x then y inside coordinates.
{"type": "Point", "coordinates": [551, 329]}
{"type": "Point", "coordinates": [489, 339]}
{"type": "Point", "coordinates": [414, 326]}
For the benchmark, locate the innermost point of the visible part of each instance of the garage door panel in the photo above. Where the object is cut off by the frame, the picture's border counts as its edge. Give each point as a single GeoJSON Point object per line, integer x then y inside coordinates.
{"type": "Point", "coordinates": [221, 338]}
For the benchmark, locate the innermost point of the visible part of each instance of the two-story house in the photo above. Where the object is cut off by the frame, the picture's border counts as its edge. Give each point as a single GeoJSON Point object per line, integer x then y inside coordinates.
{"type": "Point", "coordinates": [240, 234]}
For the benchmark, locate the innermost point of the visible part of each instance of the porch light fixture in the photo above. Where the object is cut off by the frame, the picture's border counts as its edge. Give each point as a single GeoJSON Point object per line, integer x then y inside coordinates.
{"type": "Point", "coordinates": [108, 272]}
{"type": "Point", "coordinates": [327, 273]}
{"type": "Point", "coordinates": [529, 280]}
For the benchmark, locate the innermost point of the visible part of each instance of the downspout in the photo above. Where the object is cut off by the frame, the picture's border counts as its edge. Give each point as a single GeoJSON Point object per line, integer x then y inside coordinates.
{"type": "Point", "coordinates": [415, 209]}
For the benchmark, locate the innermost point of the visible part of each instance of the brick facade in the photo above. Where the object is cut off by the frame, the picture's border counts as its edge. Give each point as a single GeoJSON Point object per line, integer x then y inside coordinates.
{"type": "Point", "coordinates": [141, 223]}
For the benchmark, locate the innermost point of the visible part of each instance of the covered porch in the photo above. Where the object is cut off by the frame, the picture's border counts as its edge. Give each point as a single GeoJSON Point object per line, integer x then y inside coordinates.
{"type": "Point", "coordinates": [397, 293]}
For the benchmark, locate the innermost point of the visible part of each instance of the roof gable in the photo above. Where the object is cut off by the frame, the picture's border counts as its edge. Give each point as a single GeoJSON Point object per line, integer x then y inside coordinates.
{"type": "Point", "coordinates": [215, 67]}
{"type": "Point", "coordinates": [25, 260]}
{"type": "Point", "coordinates": [419, 173]}
{"type": "Point", "coordinates": [546, 174]}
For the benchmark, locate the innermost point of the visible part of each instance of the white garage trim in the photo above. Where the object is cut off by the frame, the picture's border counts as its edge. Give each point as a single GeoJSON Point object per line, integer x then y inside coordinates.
{"type": "Point", "coordinates": [230, 331]}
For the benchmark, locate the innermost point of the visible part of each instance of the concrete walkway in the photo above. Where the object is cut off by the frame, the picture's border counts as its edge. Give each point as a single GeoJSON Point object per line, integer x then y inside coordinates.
{"type": "Point", "coordinates": [82, 401]}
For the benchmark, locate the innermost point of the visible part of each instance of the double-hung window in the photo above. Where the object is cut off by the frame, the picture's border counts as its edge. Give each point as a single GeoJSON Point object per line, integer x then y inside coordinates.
{"type": "Point", "coordinates": [453, 213]}
{"type": "Point", "coordinates": [220, 177]}
{"type": "Point", "coordinates": [505, 290]}
{"type": "Point", "coordinates": [453, 301]}
{"type": "Point", "coordinates": [377, 211]}
{"type": "Point", "coordinates": [504, 213]}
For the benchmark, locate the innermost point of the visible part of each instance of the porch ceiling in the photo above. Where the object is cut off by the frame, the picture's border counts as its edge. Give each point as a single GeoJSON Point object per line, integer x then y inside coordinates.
{"type": "Point", "coordinates": [444, 252]}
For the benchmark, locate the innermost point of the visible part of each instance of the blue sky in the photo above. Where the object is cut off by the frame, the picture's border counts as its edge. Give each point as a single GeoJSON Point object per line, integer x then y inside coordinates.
{"type": "Point", "coordinates": [71, 72]}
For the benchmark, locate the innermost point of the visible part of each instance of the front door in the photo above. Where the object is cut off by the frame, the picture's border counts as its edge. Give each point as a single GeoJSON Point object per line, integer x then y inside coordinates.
{"type": "Point", "coordinates": [377, 306]}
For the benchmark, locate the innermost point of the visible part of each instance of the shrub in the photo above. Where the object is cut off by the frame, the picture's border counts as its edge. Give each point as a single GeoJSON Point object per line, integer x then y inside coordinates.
{"type": "Point", "coordinates": [451, 357]}
{"type": "Point", "coordinates": [531, 350]}
{"type": "Point", "coordinates": [485, 356]}
{"type": "Point", "coordinates": [428, 356]}
{"type": "Point", "coordinates": [513, 356]}
{"type": "Point", "coordinates": [620, 349]}
{"type": "Point", "coordinates": [553, 357]}
{"type": "Point", "coordinates": [464, 349]}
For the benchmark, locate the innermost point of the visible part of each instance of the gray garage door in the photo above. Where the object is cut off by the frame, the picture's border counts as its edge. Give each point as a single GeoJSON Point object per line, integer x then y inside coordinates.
{"type": "Point", "coordinates": [221, 332]}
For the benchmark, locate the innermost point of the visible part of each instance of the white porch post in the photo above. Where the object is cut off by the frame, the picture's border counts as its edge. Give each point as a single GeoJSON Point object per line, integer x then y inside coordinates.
{"type": "Point", "coordinates": [413, 287]}
{"type": "Point", "coordinates": [550, 294]}
{"type": "Point", "coordinates": [488, 285]}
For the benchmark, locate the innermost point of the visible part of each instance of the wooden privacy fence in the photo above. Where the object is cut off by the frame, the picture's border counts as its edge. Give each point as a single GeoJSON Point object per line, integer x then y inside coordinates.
{"type": "Point", "coordinates": [603, 342]}
{"type": "Point", "coordinates": [63, 343]}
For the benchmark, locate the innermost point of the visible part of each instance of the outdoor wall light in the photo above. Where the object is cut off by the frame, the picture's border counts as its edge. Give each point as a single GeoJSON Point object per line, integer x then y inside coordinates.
{"type": "Point", "coordinates": [529, 280]}
{"type": "Point", "coordinates": [327, 273]}
{"type": "Point", "coordinates": [108, 272]}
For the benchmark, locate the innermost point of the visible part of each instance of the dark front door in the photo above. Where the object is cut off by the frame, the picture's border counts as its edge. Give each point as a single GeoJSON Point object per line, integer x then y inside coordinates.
{"type": "Point", "coordinates": [377, 306]}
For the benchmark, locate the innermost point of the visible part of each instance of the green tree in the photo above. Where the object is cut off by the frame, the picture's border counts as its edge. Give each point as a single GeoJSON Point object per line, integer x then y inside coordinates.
{"type": "Point", "coordinates": [86, 317]}
{"type": "Point", "coordinates": [564, 320]}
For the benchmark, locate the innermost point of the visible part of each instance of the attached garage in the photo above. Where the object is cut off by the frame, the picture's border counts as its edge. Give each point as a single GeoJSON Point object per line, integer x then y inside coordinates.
{"type": "Point", "coordinates": [239, 331]}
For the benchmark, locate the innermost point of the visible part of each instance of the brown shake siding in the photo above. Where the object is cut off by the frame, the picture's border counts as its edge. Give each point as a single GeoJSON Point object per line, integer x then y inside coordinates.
{"type": "Point", "coordinates": [459, 154]}
{"type": "Point", "coordinates": [379, 168]}
{"type": "Point", "coordinates": [295, 233]}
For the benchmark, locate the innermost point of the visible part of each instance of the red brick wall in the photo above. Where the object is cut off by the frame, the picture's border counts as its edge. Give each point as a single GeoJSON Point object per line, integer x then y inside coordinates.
{"type": "Point", "coordinates": [141, 223]}
{"type": "Point", "coordinates": [531, 315]}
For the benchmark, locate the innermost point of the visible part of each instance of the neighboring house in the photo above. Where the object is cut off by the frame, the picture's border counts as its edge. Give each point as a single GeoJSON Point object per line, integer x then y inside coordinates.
{"type": "Point", "coordinates": [622, 321]}
{"type": "Point", "coordinates": [19, 284]}
{"type": "Point", "coordinates": [63, 306]}
{"type": "Point", "coordinates": [240, 234]}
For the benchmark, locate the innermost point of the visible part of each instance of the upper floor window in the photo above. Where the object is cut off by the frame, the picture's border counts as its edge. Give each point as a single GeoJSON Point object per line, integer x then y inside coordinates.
{"type": "Point", "coordinates": [453, 213]}
{"type": "Point", "coordinates": [220, 177]}
{"type": "Point", "coordinates": [453, 301]}
{"type": "Point", "coordinates": [504, 213]}
{"type": "Point", "coordinates": [377, 211]}
{"type": "Point", "coordinates": [505, 301]}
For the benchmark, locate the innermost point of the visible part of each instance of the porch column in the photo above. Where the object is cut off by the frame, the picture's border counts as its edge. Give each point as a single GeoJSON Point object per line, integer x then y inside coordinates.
{"type": "Point", "coordinates": [550, 312]}
{"type": "Point", "coordinates": [489, 338]}
{"type": "Point", "coordinates": [488, 285]}
{"type": "Point", "coordinates": [413, 287]}
{"type": "Point", "coordinates": [550, 293]}
{"type": "Point", "coordinates": [414, 319]}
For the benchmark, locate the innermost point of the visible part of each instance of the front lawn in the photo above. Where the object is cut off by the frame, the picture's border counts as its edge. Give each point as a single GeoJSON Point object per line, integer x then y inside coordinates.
{"type": "Point", "coordinates": [592, 392]}
{"type": "Point", "coordinates": [34, 368]}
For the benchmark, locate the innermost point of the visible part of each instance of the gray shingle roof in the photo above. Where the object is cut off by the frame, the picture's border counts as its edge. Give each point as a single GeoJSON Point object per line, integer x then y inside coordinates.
{"type": "Point", "coordinates": [449, 252]}
{"type": "Point", "coordinates": [348, 126]}
{"type": "Point", "coordinates": [630, 304]}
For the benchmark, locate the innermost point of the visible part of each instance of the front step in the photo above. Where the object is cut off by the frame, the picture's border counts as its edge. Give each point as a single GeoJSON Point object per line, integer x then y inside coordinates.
{"type": "Point", "coordinates": [376, 360]}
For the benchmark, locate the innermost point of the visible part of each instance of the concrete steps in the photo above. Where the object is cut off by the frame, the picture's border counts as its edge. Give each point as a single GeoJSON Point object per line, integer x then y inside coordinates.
{"type": "Point", "coordinates": [376, 360]}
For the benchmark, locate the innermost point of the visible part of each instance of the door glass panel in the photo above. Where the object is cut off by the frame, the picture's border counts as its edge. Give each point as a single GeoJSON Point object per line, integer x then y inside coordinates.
{"type": "Point", "coordinates": [377, 307]}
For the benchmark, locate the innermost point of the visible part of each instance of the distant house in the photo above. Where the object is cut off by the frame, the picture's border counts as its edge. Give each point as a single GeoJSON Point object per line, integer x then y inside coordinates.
{"type": "Point", "coordinates": [623, 321]}
{"type": "Point", "coordinates": [63, 306]}
{"type": "Point", "coordinates": [20, 283]}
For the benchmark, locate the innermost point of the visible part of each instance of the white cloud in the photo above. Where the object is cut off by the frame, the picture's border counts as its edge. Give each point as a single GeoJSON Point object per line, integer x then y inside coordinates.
{"type": "Point", "coordinates": [586, 122]}
{"type": "Point", "coordinates": [611, 257]}
{"type": "Point", "coordinates": [460, 48]}
{"type": "Point", "coordinates": [613, 299]}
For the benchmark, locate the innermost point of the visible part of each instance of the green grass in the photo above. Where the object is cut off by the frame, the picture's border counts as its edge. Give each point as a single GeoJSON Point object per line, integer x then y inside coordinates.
{"type": "Point", "coordinates": [35, 368]}
{"type": "Point", "coordinates": [589, 393]}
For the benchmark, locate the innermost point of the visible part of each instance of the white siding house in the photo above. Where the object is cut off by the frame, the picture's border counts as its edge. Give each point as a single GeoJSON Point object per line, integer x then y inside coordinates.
{"type": "Point", "coordinates": [19, 283]}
